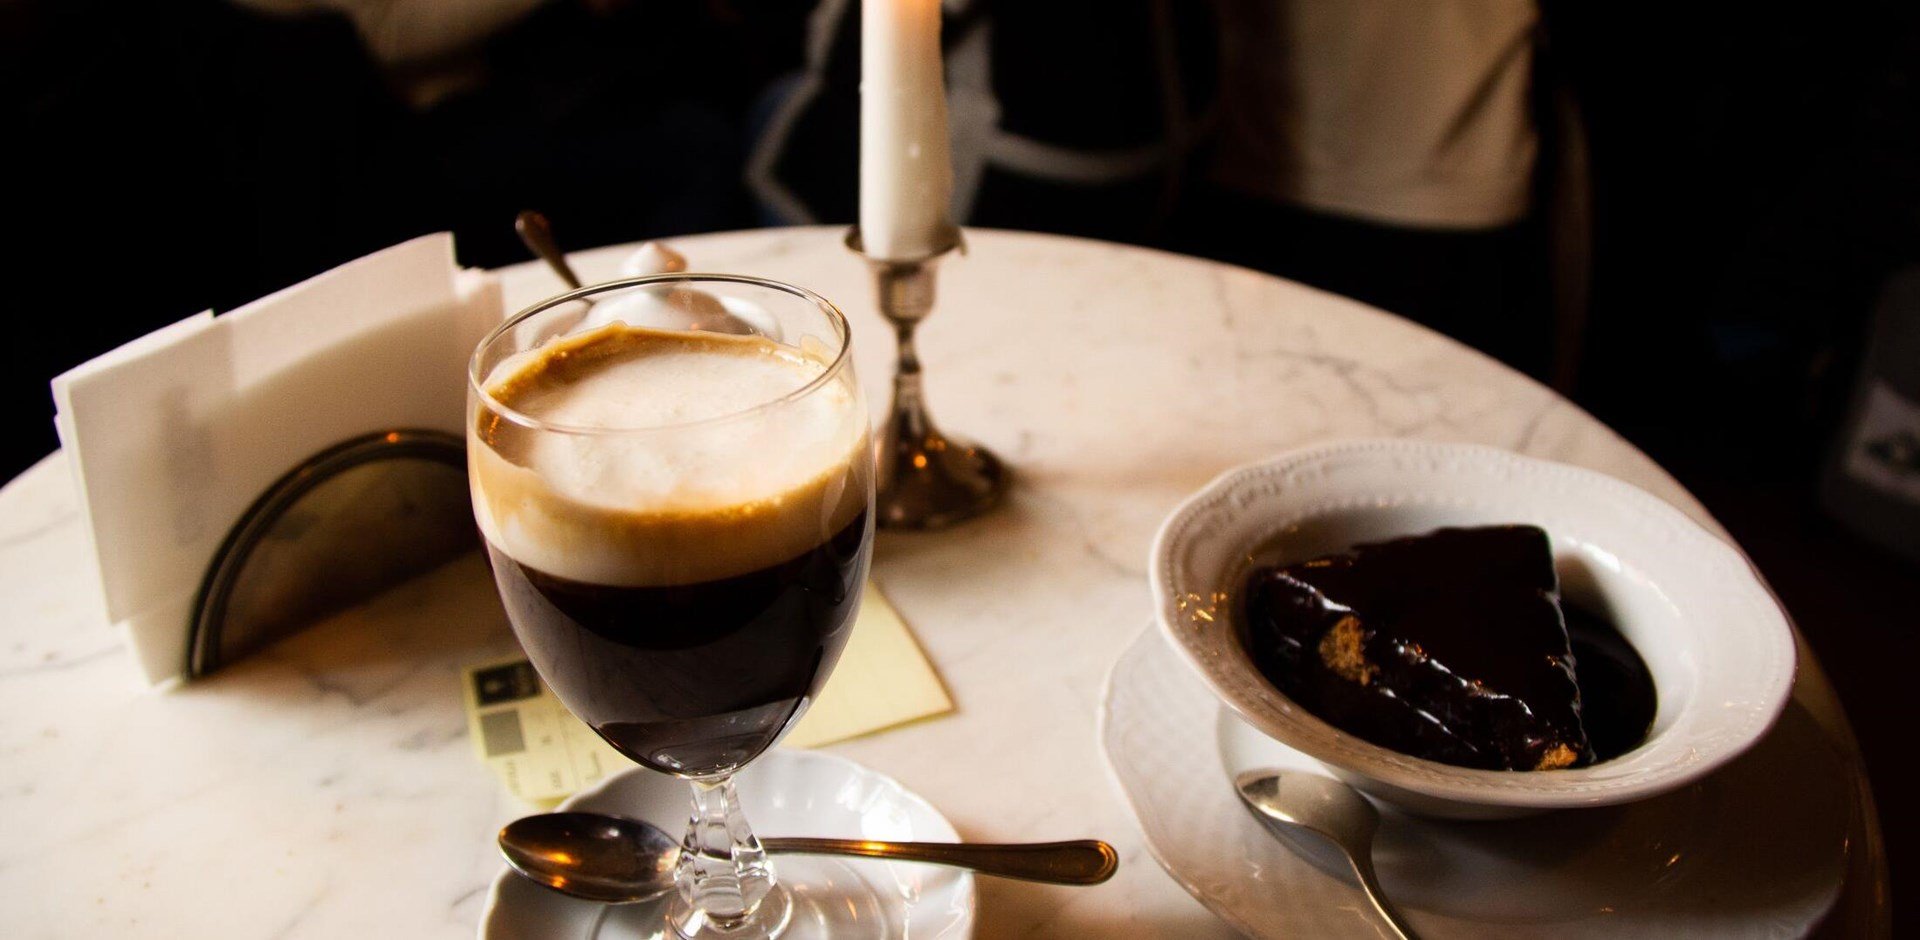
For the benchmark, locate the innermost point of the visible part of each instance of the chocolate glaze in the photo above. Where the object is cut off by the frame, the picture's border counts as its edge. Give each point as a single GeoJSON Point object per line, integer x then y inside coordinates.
{"type": "Point", "coordinates": [1449, 646]}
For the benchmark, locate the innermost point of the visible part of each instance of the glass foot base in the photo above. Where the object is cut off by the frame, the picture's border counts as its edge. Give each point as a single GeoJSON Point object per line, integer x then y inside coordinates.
{"type": "Point", "coordinates": [819, 898]}
{"type": "Point", "coordinates": [769, 920]}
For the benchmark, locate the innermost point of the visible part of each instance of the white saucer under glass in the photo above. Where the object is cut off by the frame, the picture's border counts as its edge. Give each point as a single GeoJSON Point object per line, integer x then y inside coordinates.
{"type": "Point", "coordinates": [1758, 849]}
{"type": "Point", "coordinates": [786, 793]}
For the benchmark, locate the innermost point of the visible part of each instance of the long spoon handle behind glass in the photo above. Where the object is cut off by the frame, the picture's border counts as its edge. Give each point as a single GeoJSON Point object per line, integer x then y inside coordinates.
{"type": "Point", "coordinates": [1080, 862]}
{"type": "Point", "coordinates": [537, 234]}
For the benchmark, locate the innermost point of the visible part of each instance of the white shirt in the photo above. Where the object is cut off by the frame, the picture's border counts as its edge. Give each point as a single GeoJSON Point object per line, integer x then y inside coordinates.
{"type": "Point", "coordinates": [1408, 112]}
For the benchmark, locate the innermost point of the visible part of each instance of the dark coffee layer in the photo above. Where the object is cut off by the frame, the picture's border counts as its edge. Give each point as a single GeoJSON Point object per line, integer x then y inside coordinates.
{"type": "Point", "coordinates": [692, 679]}
{"type": "Point", "coordinates": [1449, 647]}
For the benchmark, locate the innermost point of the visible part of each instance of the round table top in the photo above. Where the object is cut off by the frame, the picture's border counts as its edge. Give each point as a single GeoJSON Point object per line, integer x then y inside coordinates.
{"type": "Point", "coordinates": [327, 787]}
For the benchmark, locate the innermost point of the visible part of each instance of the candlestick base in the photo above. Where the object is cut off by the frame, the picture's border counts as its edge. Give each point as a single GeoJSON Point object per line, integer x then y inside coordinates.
{"type": "Point", "coordinates": [925, 479]}
{"type": "Point", "coordinates": [932, 482]}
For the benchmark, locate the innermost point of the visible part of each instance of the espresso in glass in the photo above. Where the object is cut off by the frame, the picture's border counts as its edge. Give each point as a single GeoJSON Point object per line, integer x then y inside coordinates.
{"type": "Point", "coordinates": [679, 527]}
{"type": "Point", "coordinates": [674, 478]}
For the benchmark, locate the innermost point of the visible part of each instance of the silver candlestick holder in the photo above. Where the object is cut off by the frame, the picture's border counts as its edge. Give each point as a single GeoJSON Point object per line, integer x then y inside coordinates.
{"type": "Point", "coordinates": [925, 479]}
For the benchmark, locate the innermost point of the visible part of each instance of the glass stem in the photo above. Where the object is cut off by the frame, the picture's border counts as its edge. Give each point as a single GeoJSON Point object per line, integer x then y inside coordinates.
{"type": "Point", "coordinates": [908, 413]}
{"type": "Point", "coordinates": [724, 873]}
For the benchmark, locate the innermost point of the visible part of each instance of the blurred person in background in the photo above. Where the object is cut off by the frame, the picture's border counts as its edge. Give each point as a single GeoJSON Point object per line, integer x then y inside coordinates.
{"type": "Point", "coordinates": [1379, 149]}
{"type": "Point", "coordinates": [427, 48]}
{"type": "Point", "coordinates": [1386, 151]}
{"type": "Point", "coordinates": [1069, 116]}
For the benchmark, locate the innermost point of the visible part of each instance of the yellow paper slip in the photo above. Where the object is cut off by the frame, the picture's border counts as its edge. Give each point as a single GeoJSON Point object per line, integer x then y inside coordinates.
{"type": "Point", "coordinates": [542, 753]}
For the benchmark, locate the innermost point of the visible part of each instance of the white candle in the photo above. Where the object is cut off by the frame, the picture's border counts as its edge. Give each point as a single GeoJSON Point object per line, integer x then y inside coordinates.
{"type": "Point", "coordinates": [906, 165]}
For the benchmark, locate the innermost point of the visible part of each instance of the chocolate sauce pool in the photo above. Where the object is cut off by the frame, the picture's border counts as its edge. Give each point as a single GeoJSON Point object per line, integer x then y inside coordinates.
{"type": "Point", "coordinates": [1617, 701]}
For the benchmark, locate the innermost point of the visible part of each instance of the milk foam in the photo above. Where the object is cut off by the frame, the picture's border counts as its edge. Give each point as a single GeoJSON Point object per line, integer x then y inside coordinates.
{"type": "Point", "coordinates": [710, 482]}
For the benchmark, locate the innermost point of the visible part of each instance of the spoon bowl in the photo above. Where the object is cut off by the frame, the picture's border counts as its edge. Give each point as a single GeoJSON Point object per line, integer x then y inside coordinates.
{"type": "Point", "coordinates": [1321, 805]}
{"type": "Point", "coordinates": [1289, 802]}
{"type": "Point", "coordinates": [610, 859]}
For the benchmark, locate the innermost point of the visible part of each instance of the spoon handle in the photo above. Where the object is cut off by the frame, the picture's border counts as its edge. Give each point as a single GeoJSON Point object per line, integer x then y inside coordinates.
{"type": "Point", "coordinates": [537, 234]}
{"type": "Point", "coordinates": [1371, 884]}
{"type": "Point", "coordinates": [1080, 862]}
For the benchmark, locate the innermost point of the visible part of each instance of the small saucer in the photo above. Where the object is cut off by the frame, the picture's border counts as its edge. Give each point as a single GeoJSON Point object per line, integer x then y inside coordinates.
{"type": "Point", "coordinates": [1757, 849]}
{"type": "Point", "coordinates": [784, 793]}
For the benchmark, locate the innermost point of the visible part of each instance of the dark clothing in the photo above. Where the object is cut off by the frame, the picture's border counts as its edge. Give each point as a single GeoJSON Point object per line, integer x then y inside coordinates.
{"type": "Point", "coordinates": [1485, 288]}
{"type": "Point", "coordinates": [190, 154]}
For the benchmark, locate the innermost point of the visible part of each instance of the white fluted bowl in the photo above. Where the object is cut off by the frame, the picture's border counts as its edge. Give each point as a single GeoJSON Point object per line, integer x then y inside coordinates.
{"type": "Point", "coordinates": [1713, 635]}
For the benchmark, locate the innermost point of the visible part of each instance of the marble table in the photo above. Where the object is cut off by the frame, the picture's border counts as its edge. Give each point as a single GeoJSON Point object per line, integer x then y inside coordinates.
{"type": "Point", "coordinates": [327, 787]}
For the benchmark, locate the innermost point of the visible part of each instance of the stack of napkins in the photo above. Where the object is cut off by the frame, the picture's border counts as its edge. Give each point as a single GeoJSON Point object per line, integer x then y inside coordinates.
{"type": "Point", "coordinates": [173, 435]}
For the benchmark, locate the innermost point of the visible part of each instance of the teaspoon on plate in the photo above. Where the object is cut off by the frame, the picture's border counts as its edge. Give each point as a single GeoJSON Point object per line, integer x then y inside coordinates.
{"type": "Point", "coordinates": [617, 860]}
{"type": "Point", "coordinates": [1330, 810]}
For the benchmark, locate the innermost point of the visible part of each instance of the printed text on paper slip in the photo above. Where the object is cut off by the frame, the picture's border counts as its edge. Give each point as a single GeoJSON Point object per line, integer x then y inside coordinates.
{"type": "Point", "coordinates": [542, 753]}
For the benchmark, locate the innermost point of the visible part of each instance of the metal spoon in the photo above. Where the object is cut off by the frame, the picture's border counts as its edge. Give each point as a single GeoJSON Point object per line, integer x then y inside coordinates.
{"type": "Point", "coordinates": [616, 860]}
{"type": "Point", "coordinates": [537, 234]}
{"type": "Point", "coordinates": [678, 308]}
{"type": "Point", "coordinates": [1329, 809]}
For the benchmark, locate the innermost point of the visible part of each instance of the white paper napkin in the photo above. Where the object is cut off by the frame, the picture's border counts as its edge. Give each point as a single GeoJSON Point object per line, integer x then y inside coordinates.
{"type": "Point", "coordinates": [173, 435]}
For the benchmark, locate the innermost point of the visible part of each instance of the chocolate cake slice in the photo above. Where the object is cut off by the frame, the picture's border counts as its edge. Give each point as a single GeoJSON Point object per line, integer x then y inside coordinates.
{"type": "Point", "coordinates": [1448, 646]}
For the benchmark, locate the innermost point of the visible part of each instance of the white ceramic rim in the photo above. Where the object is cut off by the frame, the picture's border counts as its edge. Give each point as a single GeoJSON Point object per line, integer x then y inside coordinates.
{"type": "Point", "coordinates": [1672, 758]}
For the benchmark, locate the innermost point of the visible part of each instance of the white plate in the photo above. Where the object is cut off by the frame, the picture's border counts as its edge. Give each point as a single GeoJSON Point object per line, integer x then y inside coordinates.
{"type": "Point", "coordinates": [784, 793]}
{"type": "Point", "coordinates": [1756, 850]}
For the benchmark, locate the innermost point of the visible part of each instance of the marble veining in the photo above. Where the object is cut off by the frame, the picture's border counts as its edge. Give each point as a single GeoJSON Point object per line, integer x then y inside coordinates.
{"type": "Point", "coordinates": [326, 787]}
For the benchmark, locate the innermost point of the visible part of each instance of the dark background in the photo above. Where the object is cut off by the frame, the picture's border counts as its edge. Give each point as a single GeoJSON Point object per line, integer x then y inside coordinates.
{"type": "Point", "coordinates": [1755, 177]}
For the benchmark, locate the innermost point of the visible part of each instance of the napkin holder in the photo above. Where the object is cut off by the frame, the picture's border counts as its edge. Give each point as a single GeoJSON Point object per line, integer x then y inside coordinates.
{"type": "Point", "coordinates": [174, 437]}
{"type": "Point", "coordinates": [344, 525]}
